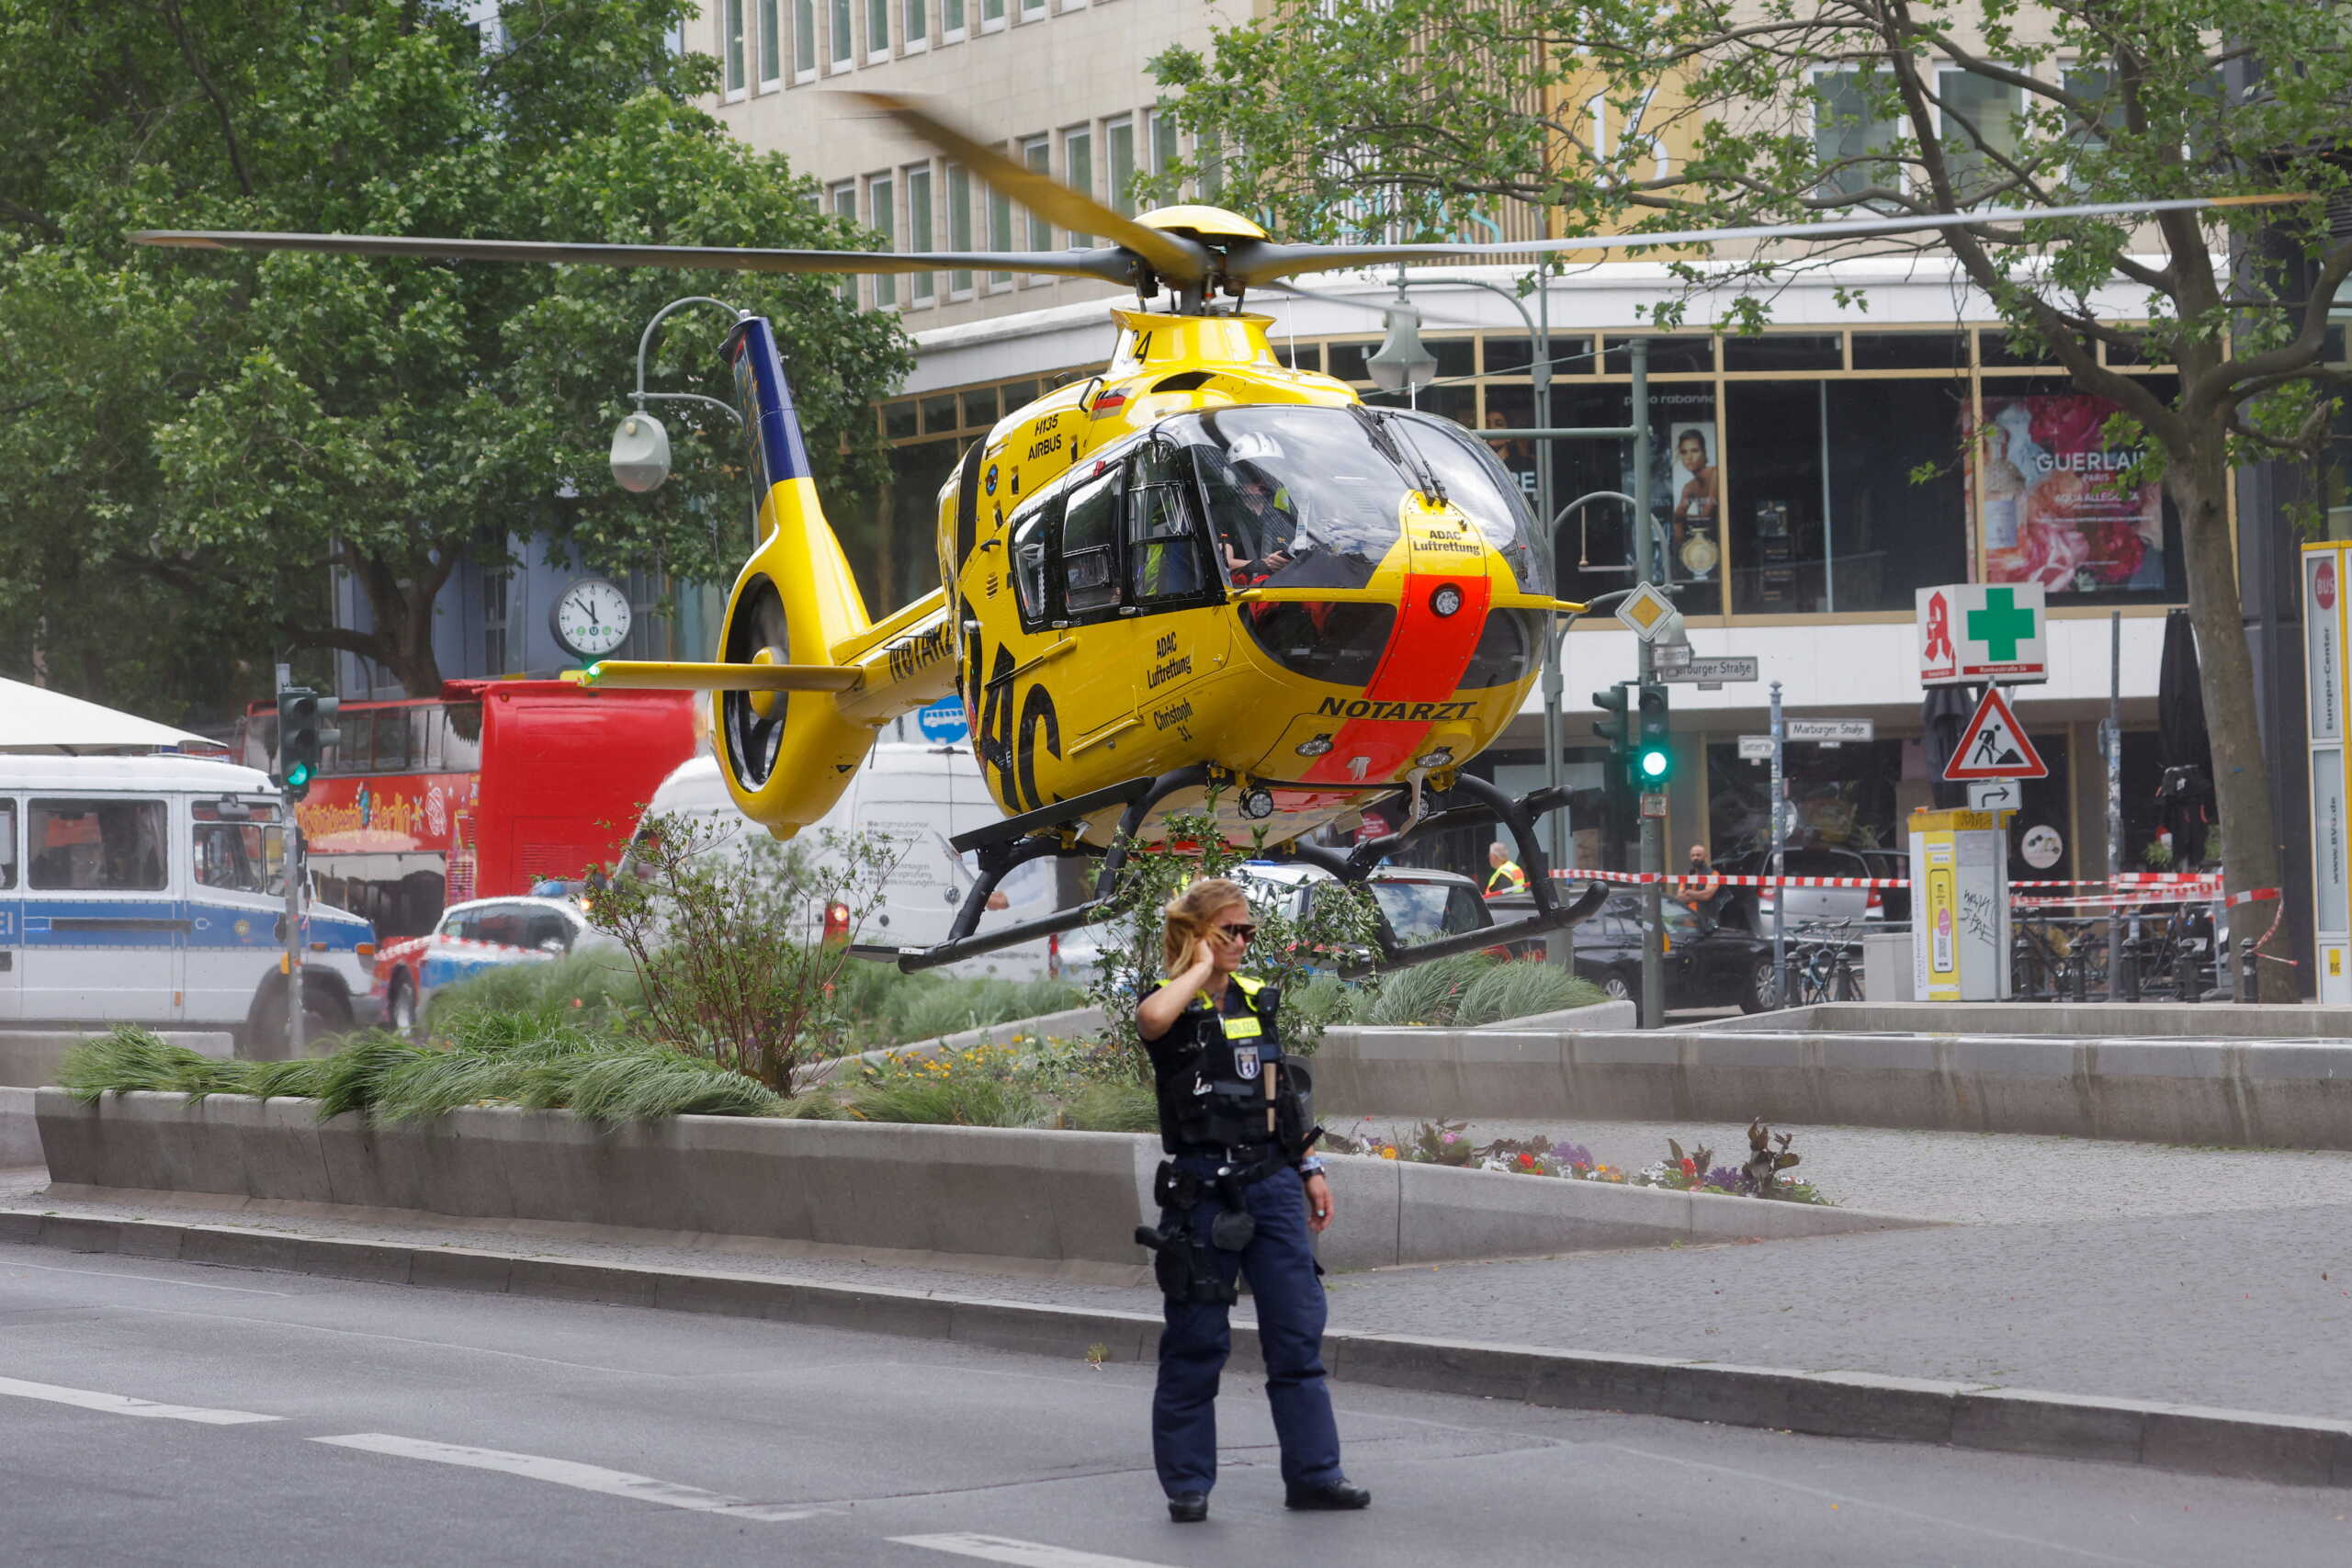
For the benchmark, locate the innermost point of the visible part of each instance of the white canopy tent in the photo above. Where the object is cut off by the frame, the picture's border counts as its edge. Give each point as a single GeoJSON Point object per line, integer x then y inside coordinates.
{"type": "Point", "coordinates": [35, 719]}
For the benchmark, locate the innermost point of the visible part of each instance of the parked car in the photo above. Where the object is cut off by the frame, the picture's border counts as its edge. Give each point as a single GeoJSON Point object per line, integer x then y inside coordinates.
{"type": "Point", "coordinates": [483, 933]}
{"type": "Point", "coordinates": [1751, 907]}
{"type": "Point", "coordinates": [1707, 964]}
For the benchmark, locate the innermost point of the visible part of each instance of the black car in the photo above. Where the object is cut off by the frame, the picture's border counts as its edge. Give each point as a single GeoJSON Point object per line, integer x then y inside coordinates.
{"type": "Point", "coordinates": [1706, 964]}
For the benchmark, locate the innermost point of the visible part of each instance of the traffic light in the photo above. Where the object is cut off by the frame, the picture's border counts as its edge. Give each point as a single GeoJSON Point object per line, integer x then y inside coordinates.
{"type": "Point", "coordinates": [1653, 753]}
{"type": "Point", "coordinates": [1615, 725]}
{"type": "Point", "coordinates": [304, 730]}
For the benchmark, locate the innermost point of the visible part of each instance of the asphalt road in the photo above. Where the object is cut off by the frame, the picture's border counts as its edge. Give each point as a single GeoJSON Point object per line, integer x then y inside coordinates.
{"type": "Point", "coordinates": [299, 1420]}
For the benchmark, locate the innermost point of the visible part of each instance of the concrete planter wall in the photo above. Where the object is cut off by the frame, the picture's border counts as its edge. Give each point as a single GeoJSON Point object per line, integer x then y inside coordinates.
{"type": "Point", "coordinates": [2258, 1092]}
{"type": "Point", "coordinates": [1062, 1201]}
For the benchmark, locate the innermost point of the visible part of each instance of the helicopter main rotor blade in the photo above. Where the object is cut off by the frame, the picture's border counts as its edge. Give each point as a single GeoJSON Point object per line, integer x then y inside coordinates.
{"type": "Point", "coordinates": [1256, 263]}
{"type": "Point", "coordinates": [1177, 260]}
{"type": "Point", "coordinates": [1108, 262]}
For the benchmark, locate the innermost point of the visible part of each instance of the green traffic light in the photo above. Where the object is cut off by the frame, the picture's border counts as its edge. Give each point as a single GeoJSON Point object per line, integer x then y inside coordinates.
{"type": "Point", "coordinates": [1655, 764]}
{"type": "Point", "coordinates": [297, 776]}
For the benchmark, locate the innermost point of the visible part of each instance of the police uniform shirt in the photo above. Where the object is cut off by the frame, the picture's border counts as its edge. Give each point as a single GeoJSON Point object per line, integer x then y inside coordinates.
{"type": "Point", "coordinates": [1215, 1046]}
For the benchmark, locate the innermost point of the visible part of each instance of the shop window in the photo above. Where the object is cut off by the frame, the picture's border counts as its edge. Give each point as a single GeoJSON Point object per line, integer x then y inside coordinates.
{"type": "Point", "coordinates": [1513, 408]}
{"type": "Point", "coordinates": [939, 414]}
{"type": "Point", "coordinates": [1457, 357]}
{"type": "Point", "coordinates": [900, 564]}
{"type": "Point", "coordinates": [1668, 355]}
{"type": "Point", "coordinates": [898, 419]}
{"type": "Point", "coordinates": [2044, 487]}
{"type": "Point", "coordinates": [1784, 351]}
{"type": "Point", "coordinates": [1910, 351]}
{"type": "Point", "coordinates": [1889, 534]}
{"type": "Point", "coordinates": [1346, 360]}
{"type": "Point", "coordinates": [980, 407]}
{"type": "Point", "coordinates": [1510, 355]}
{"type": "Point", "coordinates": [1596, 551]}
{"type": "Point", "coordinates": [1779, 485]}
{"type": "Point", "coordinates": [2000, 352]}
{"type": "Point", "coordinates": [96, 846]}
{"type": "Point", "coordinates": [1300, 355]}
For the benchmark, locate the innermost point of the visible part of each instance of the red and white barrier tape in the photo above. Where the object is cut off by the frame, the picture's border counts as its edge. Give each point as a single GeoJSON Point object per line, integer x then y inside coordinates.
{"type": "Point", "coordinates": [1723, 881]}
{"type": "Point", "coordinates": [2143, 888]}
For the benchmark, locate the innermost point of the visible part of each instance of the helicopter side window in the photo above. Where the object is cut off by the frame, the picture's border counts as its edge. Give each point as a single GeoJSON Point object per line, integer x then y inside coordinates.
{"type": "Point", "coordinates": [1089, 566]}
{"type": "Point", "coordinates": [1029, 532]}
{"type": "Point", "coordinates": [1163, 542]}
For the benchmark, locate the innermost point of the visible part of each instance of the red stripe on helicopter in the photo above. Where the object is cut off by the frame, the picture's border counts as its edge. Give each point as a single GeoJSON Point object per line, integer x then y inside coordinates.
{"type": "Point", "coordinates": [1424, 661]}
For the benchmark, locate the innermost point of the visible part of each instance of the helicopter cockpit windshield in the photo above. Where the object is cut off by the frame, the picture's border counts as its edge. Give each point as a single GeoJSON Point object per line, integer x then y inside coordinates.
{"type": "Point", "coordinates": [1309, 497]}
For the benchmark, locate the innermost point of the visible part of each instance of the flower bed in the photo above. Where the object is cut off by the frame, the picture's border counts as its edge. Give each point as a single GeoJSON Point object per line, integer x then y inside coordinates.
{"type": "Point", "coordinates": [1445, 1143]}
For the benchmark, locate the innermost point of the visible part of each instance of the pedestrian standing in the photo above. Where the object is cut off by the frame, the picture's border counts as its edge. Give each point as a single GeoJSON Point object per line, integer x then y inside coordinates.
{"type": "Point", "coordinates": [1507, 877]}
{"type": "Point", "coordinates": [1240, 1193]}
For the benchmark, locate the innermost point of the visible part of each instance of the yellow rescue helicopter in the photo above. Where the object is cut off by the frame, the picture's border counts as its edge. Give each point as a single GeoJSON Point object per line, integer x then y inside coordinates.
{"type": "Point", "coordinates": [1197, 582]}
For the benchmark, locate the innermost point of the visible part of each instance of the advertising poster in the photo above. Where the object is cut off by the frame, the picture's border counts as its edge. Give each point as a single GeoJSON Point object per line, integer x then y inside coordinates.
{"type": "Point", "coordinates": [2051, 510]}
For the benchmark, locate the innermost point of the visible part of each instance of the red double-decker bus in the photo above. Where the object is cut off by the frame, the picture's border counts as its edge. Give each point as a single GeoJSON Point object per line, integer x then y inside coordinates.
{"type": "Point", "coordinates": [485, 791]}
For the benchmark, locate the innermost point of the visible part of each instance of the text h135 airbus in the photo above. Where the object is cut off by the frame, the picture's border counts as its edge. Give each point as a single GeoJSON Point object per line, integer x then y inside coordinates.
{"type": "Point", "coordinates": [1199, 581]}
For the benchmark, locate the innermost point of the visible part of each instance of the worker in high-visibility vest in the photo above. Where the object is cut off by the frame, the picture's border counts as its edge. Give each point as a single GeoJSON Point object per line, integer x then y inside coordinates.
{"type": "Point", "coordinates": [1506, 877]}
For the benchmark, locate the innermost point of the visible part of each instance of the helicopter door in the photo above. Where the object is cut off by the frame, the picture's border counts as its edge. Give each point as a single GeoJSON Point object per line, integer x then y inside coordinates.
{"type": "Point", "coordinates": [1168, 569]}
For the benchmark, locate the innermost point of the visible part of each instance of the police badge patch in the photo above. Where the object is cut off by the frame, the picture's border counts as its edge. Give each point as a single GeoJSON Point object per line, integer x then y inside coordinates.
{"type": "Point", "coordinates": [1245, 1061]}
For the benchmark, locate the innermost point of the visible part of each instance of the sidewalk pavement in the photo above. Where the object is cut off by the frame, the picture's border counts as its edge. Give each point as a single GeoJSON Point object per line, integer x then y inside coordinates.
{"type": "Point", "coordinates": [2207, 1277]}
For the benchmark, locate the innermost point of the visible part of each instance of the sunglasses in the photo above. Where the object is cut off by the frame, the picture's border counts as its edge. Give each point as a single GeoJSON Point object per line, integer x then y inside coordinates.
{"type": "Point", "coordinates": [1243, 932]}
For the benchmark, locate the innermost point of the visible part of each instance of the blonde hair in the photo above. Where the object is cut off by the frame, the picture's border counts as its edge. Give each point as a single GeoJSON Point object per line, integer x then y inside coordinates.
{"type": "Point", "coordinates": [1192, 913]}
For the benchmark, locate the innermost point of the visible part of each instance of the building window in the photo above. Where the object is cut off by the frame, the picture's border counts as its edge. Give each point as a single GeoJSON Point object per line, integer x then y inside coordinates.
{"type": "Point", "coordinates": [1209, 153]}
{"type": "Point", "coordinates": [959, 228]}
{"type": "Point", "coordinates": [1119, 152]}
{"type": "Point", "coordinates": [877, 31]}
{"type": "Point", "coordinates": [1847, 125]}
{"type": "Point", "coordinates": [846, 209]}
{"type": "Point", "coordinates": [494, 589]}
{"type": "Point", "coordinates": [1037, 153]}
{"type": "Point", "coordinates": [1978, 122]}
{"type": "Point", "coordinates": [917, 17]}
{"type": "Point", "coordinates": [804, 40]}
{"type": "Point", "coordinates": [771, 44]}
{"type": "Point", "coordinates": [730, 28]}
{"type": "Point", "coordinates": [951, 21]}
{"type": "Point", "coordinates": [882, 217]}
{"type": "Point", "coordinates": [1000, 234]}
{"type": "Point", "coordinates": [1078, 170]}
{"type": "Point", "coordinates": [919, 231]}
{"type": "Point", "coordinates": [844, 49]}
{"type": "Point", "coordinates": [992, 15]}
{"type": "Point", "coordinates": [1033, 10]}
{"type": "Point", "coordinates": [1164, 156]}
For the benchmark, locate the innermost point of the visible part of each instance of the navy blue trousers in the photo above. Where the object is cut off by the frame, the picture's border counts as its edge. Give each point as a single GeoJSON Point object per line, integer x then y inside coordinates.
{"type": "Point", "coordinates": [1194, 1346]}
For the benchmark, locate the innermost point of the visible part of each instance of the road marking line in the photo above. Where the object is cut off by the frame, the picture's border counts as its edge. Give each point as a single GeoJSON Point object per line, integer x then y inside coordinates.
{"type": "Point", "coordinates": [564, 1472]}
{"type": "Point", "coordinates": [151, 1279]}
{"type": "Point", "coordinates": [123, 1404]}
{"type": "Point", "coordinates": [1021, 1553]}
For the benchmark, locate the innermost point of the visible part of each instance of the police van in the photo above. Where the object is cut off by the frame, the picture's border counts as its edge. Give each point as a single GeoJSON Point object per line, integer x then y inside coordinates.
{"type": "Point", "coordinates": [150, 889]}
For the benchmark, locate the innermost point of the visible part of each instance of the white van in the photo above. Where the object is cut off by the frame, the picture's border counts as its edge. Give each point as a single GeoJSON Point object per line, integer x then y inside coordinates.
{"type": "Point", "coordinates": [150, 890]}
{"type": "Point", "coordinates": [918, 797]}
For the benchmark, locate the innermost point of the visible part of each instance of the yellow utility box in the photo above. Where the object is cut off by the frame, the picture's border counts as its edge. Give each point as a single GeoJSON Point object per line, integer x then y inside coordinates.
{"type": "Point", "coordinates": [1959, 906]}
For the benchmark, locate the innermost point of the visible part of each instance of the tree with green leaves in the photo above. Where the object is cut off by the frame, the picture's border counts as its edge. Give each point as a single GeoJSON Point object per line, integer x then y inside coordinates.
{"type": "Point", "coordinates": [198, 438]}
{"type": "Point", "coordinates": [1395, 118]}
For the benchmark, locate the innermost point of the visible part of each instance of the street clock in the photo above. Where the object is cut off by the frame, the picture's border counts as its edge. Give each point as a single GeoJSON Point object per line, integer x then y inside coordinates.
{"type": "Point", "coordinates": [590, 618]}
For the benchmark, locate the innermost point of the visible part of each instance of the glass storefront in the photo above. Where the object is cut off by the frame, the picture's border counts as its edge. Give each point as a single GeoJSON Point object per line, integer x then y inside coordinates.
{"type": "Point", "coordinates": [1799, 472]}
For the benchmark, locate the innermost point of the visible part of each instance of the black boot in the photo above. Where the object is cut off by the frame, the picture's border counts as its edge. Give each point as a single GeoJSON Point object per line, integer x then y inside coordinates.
{"type": "Point", "coordinates": [1334, 1497]}
{"type": "Point", "coordinates": [1190, 1507]}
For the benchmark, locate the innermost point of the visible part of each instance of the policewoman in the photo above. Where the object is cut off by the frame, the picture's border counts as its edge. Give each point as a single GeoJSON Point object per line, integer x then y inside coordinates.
{"type": "Point", "coordinates": [1238, 1194]}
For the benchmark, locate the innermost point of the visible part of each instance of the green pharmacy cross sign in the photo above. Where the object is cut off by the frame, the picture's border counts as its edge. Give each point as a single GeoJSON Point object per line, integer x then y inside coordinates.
{"type": "Point", "coordinates": [1976, 633]}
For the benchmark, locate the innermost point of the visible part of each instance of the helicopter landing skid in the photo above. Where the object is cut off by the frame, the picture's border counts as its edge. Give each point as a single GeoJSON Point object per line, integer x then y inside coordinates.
{"type": "Point", "coordinates": [1487, 804]}
{"type": "Point", "coordinates": [1005, 846]}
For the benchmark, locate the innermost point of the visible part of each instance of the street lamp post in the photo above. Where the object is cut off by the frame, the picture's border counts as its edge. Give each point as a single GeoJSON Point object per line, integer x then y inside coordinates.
{"type": "Point", "coordinates": [640, 456]}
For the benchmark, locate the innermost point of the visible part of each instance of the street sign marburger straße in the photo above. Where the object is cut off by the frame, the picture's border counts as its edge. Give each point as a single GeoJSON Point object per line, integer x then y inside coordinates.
{"type": "Point", "coordinates": [1733, 667]}
{"type": "Point", "coordinates": [1824, 731]}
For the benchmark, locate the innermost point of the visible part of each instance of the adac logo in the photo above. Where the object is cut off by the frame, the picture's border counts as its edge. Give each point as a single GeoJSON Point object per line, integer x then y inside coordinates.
{"type": "Point", "coordinates": [989, 482]}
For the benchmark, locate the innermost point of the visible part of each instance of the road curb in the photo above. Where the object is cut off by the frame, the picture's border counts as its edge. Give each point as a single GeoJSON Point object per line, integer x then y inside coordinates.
{"type": "Point", "coordinates": [2293, 1450]}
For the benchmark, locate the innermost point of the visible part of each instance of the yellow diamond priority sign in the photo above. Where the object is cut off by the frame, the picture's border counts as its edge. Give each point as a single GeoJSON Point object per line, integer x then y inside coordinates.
{"type": "Point", "coordinates": [1645, 610]}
